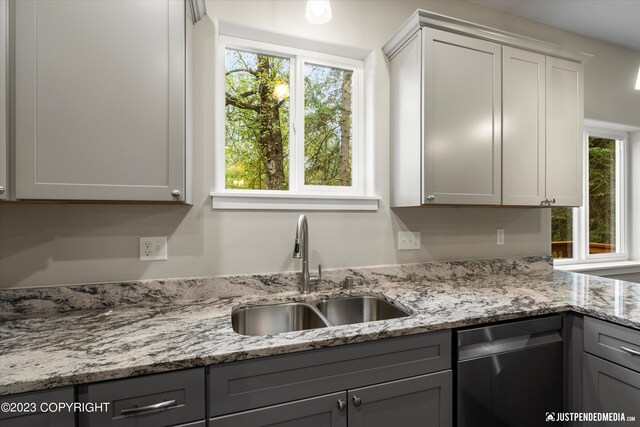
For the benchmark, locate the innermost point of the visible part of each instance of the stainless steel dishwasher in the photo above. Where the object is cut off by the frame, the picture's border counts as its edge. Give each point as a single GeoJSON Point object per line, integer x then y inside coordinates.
{"type": "Point", "coordinates": [510, 374]}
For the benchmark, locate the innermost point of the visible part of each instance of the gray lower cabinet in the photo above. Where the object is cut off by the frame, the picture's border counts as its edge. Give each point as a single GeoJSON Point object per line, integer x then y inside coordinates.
{"type": "Point", "coordinates": [610, 388]}
{"type": "Point", "coordinates": [424, 401]}
{"type": "Point", "coordinates": [159, 400]}
{"type": "Point", "coordinates": [398, 381]}
{"type": "Point", "coordinates": [32, 409]}
{"type": "Point", "coordinates": [323, 411]}
{"type": "Point", "coordinates": [611, 381]}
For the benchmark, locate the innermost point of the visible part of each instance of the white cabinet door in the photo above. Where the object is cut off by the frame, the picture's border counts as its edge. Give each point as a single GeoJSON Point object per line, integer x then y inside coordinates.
{"type": "Point", "coordinates": [462, 110]}
{"type": "Point", "coordinates": [565, 111]}
{"type": "Point", "coordinates": [4, 52]}
{"type": "Point", "coordinates": [100, 99]}
{"type": "Point", "coordinates": [523, 127]}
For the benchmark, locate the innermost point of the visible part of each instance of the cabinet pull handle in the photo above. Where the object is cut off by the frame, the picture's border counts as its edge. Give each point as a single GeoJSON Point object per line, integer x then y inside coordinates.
{"type": "Point", "coordinates": [175, 193]}
{"type": "Point", "coordinates": [630, 351]}
{"type": "Point", "coordinates": [341, 404]}
{"type": "Point", "coordinates": [431, 197]}
{"type": "Point", "coordinates": [148, 408]}
{"type": "Point", "coordinates": [2, 190]}
{"type": "Point", "coordinates": [357, 401]}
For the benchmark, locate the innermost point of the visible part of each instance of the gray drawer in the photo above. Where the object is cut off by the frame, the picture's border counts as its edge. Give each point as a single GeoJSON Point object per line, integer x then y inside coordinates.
{"type": "Point", "coordinates": [186, 389]}
{"type": "Point", "coordinates": [240, 386]}
{"type": "Point", "coordinates": [34, 401]}
{"type": "Point", "coordinates": [612, 342]}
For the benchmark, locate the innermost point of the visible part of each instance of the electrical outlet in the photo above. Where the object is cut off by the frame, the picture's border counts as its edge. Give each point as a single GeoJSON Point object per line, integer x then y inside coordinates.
{"type": "Point", "coordinates": [500, 236]}
{"type": "Point", "coordinates": [408, 240]}
{"type": "Point", "coordinates": [153, 248]}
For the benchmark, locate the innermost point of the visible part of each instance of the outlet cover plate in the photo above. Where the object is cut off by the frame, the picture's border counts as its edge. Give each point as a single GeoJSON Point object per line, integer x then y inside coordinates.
{"type": "Point", "coordinates": [500, 236]}
{"type": "Point", "coordinates": [153, 248]}
{"type": "Point", "coordinates": [408, 240]}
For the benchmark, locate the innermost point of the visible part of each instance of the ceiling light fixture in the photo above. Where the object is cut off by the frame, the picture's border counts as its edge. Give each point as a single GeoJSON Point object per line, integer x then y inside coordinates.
{"type": "Point", "coordinates": [318, 11]}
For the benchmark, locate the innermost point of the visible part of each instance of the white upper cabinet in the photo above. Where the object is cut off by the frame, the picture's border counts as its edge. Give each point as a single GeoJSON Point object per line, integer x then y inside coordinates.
{"type": "Point", "coordinates": [462, 99]}
{"type": "Point", "coordinates": [564, 133]}
{"type": "Point", "coordinates": [523, 127]}
{"type": "Point", "coordinates": [4, 53]}
{"type": "Point", "coordinates": [100, 100]}
{"type": "Point", "coordinates": [542, 130]}
{"type": "Point", "coordinates": [500, 121]}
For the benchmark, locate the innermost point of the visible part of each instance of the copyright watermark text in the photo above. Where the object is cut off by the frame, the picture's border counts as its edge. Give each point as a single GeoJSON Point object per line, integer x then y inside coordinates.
{"type": "Point", "coordinates": [32, 407]}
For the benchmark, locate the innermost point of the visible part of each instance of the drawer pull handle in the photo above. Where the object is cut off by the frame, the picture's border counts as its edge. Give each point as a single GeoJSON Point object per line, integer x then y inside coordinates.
{"type": "Point", "coordinates": [630, 351]}
{"type": "Point", "coordinates": [148, 408]}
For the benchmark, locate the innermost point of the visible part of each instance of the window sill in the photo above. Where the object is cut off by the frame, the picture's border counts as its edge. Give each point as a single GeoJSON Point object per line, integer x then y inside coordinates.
{"type": "Point", "coordinates": [294, 202]}
{"type": "Point", "coordinates": [611, 267]}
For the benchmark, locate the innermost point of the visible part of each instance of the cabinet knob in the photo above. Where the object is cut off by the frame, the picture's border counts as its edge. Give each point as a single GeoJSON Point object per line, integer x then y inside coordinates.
{"type": "Point", "coordinates": [357, 401]}
{"type": "Point", "coordinates": [2, 189]}
{"type": "Point", "coordinates": [176, 193]}
{"type": "Point", "coordinates": [431, 197]}
{"type": "Point", "coordinates": [341, 404]}
{"type": "Point", "coordinates": [553, 200]}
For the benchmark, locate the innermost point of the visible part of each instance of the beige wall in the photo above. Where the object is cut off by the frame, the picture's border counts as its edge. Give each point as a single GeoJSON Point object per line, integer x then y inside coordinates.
{"type": "Point", "coordinates": [57, 243]}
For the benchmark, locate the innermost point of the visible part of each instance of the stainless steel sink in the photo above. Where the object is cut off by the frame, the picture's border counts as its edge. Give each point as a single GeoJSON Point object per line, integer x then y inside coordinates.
{"type": "Point", "coordinates": [298, 316]}
{"type": "Point", "coordinates": [359, 309]}
{"type": "Point", "coordinates": [277, 318]}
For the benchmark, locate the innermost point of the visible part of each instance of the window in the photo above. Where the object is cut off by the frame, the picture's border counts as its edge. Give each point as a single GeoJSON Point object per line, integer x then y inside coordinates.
{"type": "Point", "coordinates": [293, 123]}
{"type": "Point", "coordinates": [596, 231]}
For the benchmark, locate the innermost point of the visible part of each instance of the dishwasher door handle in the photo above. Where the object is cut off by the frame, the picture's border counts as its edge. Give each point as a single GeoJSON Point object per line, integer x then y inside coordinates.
{"type": "Point", "coordinates": [489, 348]}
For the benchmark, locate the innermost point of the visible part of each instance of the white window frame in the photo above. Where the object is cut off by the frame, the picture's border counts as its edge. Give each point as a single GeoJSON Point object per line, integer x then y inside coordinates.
{"type": "Point", "coordinates": [581, 214]}
{"type": "Point", "coordinates": [299, 195]}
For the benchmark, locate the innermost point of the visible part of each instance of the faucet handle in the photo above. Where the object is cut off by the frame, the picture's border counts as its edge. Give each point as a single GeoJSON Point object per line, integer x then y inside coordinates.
{"type": "Point", "coordinates": [316, 279]}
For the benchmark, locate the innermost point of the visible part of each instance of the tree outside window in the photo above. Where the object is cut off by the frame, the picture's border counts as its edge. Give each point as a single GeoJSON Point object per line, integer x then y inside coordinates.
{"type": "Point", "coordinates": [261, 129]}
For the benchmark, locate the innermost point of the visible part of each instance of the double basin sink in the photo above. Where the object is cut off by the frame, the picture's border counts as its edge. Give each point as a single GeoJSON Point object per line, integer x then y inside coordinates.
{"type": "Point", "coordinates": [298, 316]}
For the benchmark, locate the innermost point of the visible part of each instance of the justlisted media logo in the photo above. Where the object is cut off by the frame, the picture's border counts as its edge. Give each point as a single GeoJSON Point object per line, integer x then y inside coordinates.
{"type": "Point", "coordinates": [550, 416]}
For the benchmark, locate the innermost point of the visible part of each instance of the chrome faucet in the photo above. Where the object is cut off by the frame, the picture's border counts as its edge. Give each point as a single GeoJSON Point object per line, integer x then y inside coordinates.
{"type": "Point", "coordinates": [301, 250]}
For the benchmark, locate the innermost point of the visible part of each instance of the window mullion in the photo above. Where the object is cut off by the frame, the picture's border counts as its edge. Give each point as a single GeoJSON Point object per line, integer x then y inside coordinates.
{"type": "Point", "coordinates": [620, 198]}
{"type": "Point", "coordinates": [293, 125]}
{"type": "Point", "coordinates": [299, 140]}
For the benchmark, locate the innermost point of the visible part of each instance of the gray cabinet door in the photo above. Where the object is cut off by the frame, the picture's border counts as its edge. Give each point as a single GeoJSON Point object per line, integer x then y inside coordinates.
{"type": "Point", "coordinates": [33, 409]}
{"type": "Point", "coordinates": [523, 146]}
{"type": "Point", "coordinates": [424, 401]}
{"type": "Point", "coordinates": [462, 119]}
{"type": "Point", "coordinates": [564, 137]}
{"type": "Point", "coordinates": [611, 388]}
{"type": "Point", "coordinates": [100, 99]}
{"type": "Point", "coordinates": [323, 411]}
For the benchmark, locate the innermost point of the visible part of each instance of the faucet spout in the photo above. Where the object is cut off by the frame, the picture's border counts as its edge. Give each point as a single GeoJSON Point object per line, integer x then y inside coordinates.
{"type": "Point", "coordinates": [301, 250]}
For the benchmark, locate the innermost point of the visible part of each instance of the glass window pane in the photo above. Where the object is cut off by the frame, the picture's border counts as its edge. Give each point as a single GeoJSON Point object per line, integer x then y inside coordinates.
{"type": "Point", "coordinates": [328, 130]}
{"type": "Point", "coordinates": [257, 121]}
{"type": "Point", "coordinates": [562, 233]}
{"type": "Point", "coordinates": [602, 195]}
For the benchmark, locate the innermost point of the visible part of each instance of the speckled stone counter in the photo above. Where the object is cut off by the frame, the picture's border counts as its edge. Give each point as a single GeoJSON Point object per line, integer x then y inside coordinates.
{"type": "Point", "coordinates": [187, 323]}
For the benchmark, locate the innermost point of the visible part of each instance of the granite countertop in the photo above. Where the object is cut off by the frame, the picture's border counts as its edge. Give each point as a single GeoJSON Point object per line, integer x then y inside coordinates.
{"type": "Point", "coordinates": [49, 350]}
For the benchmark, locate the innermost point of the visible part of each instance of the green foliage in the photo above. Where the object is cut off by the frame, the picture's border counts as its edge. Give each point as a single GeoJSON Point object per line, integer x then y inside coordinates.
{"type": "Point", "coordinates": [257, 123]}
{"type": "Point", "coordinates": [561, 224]}
{"type": "Point", "coordinates": [602, 190]}
{"type": "Point", "coordinates": [327, 125]}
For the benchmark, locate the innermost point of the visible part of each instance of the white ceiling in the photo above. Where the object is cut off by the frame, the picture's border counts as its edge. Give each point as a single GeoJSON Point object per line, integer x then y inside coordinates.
{"type": "Point", "coordinates": [614, 21]}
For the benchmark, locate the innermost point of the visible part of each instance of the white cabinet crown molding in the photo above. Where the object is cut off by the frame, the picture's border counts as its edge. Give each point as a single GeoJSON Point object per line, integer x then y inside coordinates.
{"type": "Point", "coordinates": [422, 18]}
